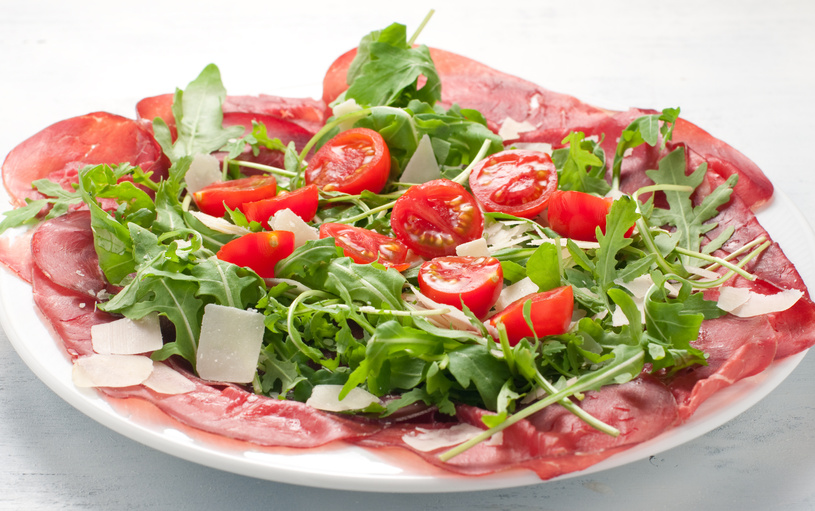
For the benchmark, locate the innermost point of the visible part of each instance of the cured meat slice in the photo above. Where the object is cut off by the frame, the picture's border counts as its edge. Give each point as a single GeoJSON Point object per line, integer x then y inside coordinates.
{"type": "Point", "coordinates": [74, 264]}
{"type": "Point", "coordinates": [275, 128]}
{"type": "Point", "coordinates": [753, 187]}
{"type": "Point", "coordinates": [70, 314]}
{"type": "Point", "coordinates": [235, 413]}
{"type": "Point", "coordinates": [553, 441]}
{"type": "Point", "coordinates": [306, 112]}
{"type": "Point", "coordinates": [495, 94]}
{"type": "Point", "coordinates": [15, 253]}
{"type": "Point", "coordinates": [736, 348]}
{"type": "Point", "coordinates": [157, 106]}
{"type": "Point", "coordinates": [60, 150]}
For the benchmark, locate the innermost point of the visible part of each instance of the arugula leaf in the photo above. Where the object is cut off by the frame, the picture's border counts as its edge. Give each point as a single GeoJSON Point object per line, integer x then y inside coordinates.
{"type": "Point", "coordinates": [581, 166]}
{"type": "Point", "coordinates": [621, 217]}
{"type": "Point", "coordinates": [321, 265]}
{"type": "Point", "coordinates": [543, 267]}
{"type": "Point", "coordinates": [475, 365]}
{"type": "Point", "coordinates": [645, 129]}
{"type": "Point", "coordinates": [386, 71]}
{"type": "Point", "coordinates": [689, 221]}
{"type": "Point", "coordinates": [198, 117]}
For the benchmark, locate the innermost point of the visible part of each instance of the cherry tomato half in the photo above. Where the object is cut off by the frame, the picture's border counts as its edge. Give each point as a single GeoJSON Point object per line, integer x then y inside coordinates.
{"type": "Point", "coordinates": [551, 314]}
{"type": "Point", "coordinates": [302, 202]}
{"type": "Point", "coordinates": [476, 281]}
{"type": "Point", "coordinates": [433, 218]}
{"type": "Point", "coordinates": [259, 251]}
{"type": "Point", "coordinates": [577, 215]}
{"type": "Point", "coordinates": [354, 160]}
{"type": "Point", "coordinates": [365, 246]}
{"type": "Point", "coordinates": [515, 182]}
{"type": "Point", "coordinates": [211, 199]}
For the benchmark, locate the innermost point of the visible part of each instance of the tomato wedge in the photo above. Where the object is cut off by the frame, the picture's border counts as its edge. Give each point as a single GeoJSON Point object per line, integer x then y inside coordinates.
{"type": "Point", "coordinates": [211, 199]}
{"type": "Point", "coordinates": [353, 161]}
{"type": "Point", "coordinates": [302, 202]}
{"type": "Point", "coordinates": [516, 182]}
{"type": "Point", "coordinates": [258, 251]}
{"type": "Point", "coordinates": [476, 281]}
{"type": "Point", "coordinates": [433, 218]}
{"type": "Point", "coordinates": [577, 215]}
{"type": "Point", "coordinates": [366, 246]}
{"type": "Point", "coordinates": [551, 314]}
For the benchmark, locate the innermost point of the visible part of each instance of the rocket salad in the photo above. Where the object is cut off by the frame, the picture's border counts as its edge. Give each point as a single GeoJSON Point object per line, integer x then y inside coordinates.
{"type": "Point", "coordinates": [379, 296]}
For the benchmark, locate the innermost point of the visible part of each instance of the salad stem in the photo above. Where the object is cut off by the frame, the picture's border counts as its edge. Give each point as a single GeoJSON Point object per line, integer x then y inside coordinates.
{"type": "Point", "coordinates": [421, 27]}
{"type": "Point", "coordinates": [265, 168]}
{"type": "Point", "coordinates": [594, 381]}
{"type": "Point", "coordinates": [465, 174]}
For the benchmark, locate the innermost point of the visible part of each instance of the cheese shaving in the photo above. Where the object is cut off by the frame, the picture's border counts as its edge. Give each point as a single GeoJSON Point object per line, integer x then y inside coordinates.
{"type": "Point", "coordinates": [327, 398]}
{"type": "Point", "coordinates": [746, 305]}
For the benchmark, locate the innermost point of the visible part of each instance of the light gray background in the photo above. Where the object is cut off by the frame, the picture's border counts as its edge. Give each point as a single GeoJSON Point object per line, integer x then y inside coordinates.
{"type": "Point", "coordinates": [743, 70]}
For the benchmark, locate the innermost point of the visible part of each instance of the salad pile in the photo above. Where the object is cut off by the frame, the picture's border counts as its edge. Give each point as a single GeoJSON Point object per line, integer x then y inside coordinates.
{"type": "Point", "coordinates": [404, 252]}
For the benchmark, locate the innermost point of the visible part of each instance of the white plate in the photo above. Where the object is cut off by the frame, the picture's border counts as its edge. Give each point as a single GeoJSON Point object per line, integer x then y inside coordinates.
{"type": "Point", "coordinates": [340, 466]}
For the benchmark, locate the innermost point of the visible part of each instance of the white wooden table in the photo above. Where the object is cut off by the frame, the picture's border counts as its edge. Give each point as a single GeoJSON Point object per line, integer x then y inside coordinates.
{"type": "Point", "coordinates": [743, 70]}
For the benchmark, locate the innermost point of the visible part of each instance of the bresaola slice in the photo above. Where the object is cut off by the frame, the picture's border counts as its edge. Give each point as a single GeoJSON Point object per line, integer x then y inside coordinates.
{"type": "Point", "coordinates": [60, 150]}
{"type": "Point", "coordinates": [74, 265]}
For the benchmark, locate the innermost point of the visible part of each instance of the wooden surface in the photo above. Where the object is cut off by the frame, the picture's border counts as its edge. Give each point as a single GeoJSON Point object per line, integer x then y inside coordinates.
{"type": "Point", "coordinates": [743, 70]}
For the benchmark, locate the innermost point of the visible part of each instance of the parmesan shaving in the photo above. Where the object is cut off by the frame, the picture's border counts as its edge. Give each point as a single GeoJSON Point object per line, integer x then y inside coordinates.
{"type": "Point", "coordinates": [426, 440]}
{"type": "Point", "coordinates": [474, 248]}
{"type": "Point", "coordinates": [229, 344]}
{"type": "Point", "coordinates": [166, 380]}
{"type": "Point", "coordinates": [422, 166]}
{"type": "Point", "coordinates": [755, 304]}
{"type": "Point", "coordinates": [541, 147]}
{"type": "Point", "coordinates": [510, 128]}
{"type": "Point", "coordinates": [219, 224]}
{"type": "Point", "coordinates": [454, 318]}
{"type": "Point", "coordinates": [127, 337]}
{"type": "Point", "coordinates": [204, 170]}
{"type": "Point", "coordinates": [327, 398]}
{"type": "Point", "coordinates": [286, 220]}
{"type": "Point", "coordinates": [514, 292]}
{"type": "Point", "coordinates": [111, 370]}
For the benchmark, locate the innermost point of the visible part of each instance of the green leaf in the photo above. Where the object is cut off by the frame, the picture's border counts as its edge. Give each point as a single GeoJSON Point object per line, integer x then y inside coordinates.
{"type": "Point", "coordinates": [386, 71]}
{"type": "Point", "coordinates": [621, 217]}
{"type": "Point", "coordinates": [581, 166]}
{"type": "Point", "coordinates": [175, 299]}
{"type": "Point", "coordinates": [689, 221]}
{"type": "Point", "coordinates": [199, 117]}
{"type": "Point", "coordinates": [543, 267]}
{"type": "Point", "coordinates": [474, 365]}
{"type": "Point", "coordinates": [113, 245]}
{"type": "Point", "coordinates": [320, 265]}
{"type": "Point", "coordinates": [227, 283]}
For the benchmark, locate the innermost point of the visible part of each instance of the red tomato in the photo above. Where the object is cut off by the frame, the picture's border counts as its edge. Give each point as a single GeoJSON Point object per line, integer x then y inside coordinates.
{"type": "Point", "coordinates": [577, 215]}
{"type": "Point", "coordinates": [302, 202]}
{"type": "Point", "coordinates": [515, 182]}
{"type": "Point", "coordinates": [211, 199]}
{"type": "Point", "coordinates": [259, 251]}
{"type": "Point", "coordinates": [354, 160]}
{"type": "Point", "coordinates": [477, 281]}
{"type": "Point", "coordinates": [365, 246]}
{"type": "Point", "coordinates": [551, 314]}
{"type": "Point", "coordinates": [433, 218]}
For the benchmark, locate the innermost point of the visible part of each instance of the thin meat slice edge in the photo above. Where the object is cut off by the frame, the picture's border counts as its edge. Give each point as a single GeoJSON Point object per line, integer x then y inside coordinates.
{"type": "Point", "coordinates": [60, 150]}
